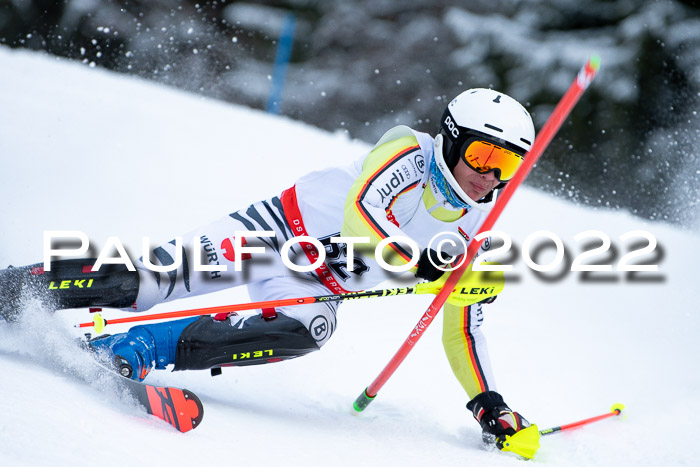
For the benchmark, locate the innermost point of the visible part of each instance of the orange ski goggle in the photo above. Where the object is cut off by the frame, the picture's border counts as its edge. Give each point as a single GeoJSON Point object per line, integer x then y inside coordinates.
{"type": "Point", "coordinates": [485, 157]}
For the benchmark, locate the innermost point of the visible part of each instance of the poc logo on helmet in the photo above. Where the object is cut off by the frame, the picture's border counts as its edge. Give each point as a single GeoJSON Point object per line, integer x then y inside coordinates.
{"type": "Point", "coordinates": [452, 127]}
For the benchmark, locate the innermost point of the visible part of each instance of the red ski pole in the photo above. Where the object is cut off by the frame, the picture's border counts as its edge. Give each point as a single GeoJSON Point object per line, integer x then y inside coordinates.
{"type": "Point", "coordinates": [458, 295]}
{"type": "Point", "coordinates": [615, 410]}
{"type": "Point", "coordinates": [550, 128]}
{"type": "Point", "coordinates": [99, 322]}
{"type": "Point", "coordinates": [526, 442]}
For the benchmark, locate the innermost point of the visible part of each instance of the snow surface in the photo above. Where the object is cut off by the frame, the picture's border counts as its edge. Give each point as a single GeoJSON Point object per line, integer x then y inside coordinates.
{"type": "Point", "coordinates": [83, 149]}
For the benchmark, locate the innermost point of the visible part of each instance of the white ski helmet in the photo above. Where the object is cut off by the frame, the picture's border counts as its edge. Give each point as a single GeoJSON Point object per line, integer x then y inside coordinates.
{"type": "Point", "coordinates": [487, 115]}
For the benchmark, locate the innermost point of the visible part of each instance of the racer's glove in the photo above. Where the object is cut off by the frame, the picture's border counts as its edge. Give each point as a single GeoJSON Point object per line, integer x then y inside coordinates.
{"type": "Point", "coordinates": [473, 287]}
{"type": "Point", "coordinates": [426, 267]}
{"type": "Point", "coordinates": [496, 419]}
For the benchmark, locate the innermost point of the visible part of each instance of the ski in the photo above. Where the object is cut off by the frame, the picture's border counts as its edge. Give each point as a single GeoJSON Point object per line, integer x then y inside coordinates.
{"type": "Point", "coordinates": [181, 408]}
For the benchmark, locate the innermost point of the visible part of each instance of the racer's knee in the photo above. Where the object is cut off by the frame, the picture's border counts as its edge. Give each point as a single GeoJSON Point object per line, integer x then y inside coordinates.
{"type": "Point", "coordinates": [318, 318]}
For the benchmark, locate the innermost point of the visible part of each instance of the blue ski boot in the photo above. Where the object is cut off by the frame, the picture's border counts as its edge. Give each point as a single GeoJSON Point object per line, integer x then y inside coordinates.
{"type": "Point", "coordinates": [135, 352]}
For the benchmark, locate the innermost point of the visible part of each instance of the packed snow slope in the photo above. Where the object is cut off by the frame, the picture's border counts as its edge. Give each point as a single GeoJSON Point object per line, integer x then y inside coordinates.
{"type": "Point", "coordinates": [81, 149]}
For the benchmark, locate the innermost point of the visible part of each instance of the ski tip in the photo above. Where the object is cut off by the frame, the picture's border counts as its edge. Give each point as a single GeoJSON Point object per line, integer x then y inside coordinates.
{"type": "Point", "coordinates": [594, 62]}
{"type": "Point", "coordinates": [179, 407]}
{"type": "Point", "coordinates": [195, 410]}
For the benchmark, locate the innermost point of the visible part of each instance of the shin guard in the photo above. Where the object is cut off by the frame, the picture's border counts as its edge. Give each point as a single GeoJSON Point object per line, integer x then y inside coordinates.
{"type": "Point", "coordinates": [69, 284]}
{"type": "Point", "coordinates": [207, 343]}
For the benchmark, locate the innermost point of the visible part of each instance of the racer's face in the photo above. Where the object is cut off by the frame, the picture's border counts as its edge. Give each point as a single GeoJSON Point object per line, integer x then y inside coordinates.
{"type": "Point", "coordinates": [476, 185]}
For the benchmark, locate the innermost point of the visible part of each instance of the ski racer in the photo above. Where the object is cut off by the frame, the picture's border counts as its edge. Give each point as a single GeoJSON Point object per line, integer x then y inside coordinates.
{"type": "Point", "coordinates": [409, 185]}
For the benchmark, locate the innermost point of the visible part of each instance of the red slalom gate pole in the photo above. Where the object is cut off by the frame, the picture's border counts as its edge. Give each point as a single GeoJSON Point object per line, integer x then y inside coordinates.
{"type": "Point", "coordinates": [550, 128]}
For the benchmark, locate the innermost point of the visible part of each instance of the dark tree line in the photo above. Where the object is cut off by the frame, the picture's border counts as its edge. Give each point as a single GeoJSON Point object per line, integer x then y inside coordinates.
{"type": "Point", "coordinates": [366, 65]}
